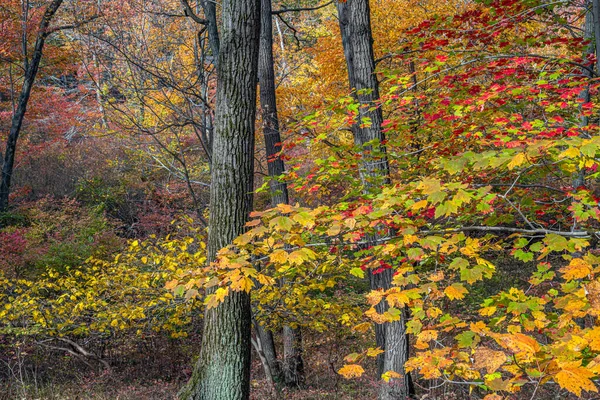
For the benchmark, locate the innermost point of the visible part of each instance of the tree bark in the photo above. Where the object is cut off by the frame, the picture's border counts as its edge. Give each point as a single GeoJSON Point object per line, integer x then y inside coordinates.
{"type": "Point", "coordinates": [357, 40]}
{"type": "Point", "coordinates": [223, 369]}
{"type": "Point", "coordinates": [293, 371]}
{"type": "Point", "coordinates": [31, 70]}
{"type": "Point", "coordinates": [210, 13]}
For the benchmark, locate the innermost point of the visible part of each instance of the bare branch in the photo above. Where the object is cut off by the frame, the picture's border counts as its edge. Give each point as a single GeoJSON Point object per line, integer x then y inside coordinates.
{"type": "Point", "coordinates": [190, 13]}
{"type": "Point", "coordinates": [285, 9]}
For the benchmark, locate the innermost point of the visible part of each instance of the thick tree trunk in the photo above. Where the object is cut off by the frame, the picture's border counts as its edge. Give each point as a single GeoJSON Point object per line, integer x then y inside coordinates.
{"type": "Point", "coordinates": [31, 70]}
{"type": "Point", "coordinates": [223, 369]}
{"type": "Point", "coordinates": [355, 27]}
{"type": "Point", "coordinates": [293, 371]}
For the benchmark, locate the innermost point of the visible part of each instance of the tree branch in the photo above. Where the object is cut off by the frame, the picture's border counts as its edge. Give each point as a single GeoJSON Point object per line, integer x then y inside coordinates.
{"type": "Point", "coordinates": [73, 25]}
{"type": "Point", "coordinates": [285, 9]}
{"type": "Point", "coordinates": [190, 13]}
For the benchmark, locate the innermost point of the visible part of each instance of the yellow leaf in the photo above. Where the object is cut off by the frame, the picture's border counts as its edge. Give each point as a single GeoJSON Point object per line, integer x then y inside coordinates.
{"type": "Point", "coordinates": [305, 219]}
{"type": "Point", "coordinates": [351, 371]}
{"type": "Point", "coordinates": [243, 239]}
{"type": "Point", "coordinates": [364, 327]}
{"type": "Point", "coordinates": [243, 284]}
{"type": "Point", "coordinates": [170, 285]}
{"type": "Point", "coordinates": [516, 161]}
{"type": "Point", "coordinates": [265, 280]}
{"type": "Point", "coordinates": [573, 377]}
{"type": "Point", "coordinates": [593, 337]}
{"type": "Point", "coordinates": [397, 299]}
{"type": "Point", "coordinates": [374, 352]}
{"type": "Point", "coordinates": [429, 186]}
{"type": "Point", "coordinates": [436, 276]}
{"type": "Point", "coordinates": [279, 256]}
{"type": "Point", "coordinates": [297, 257]}
{"type": "Point", "coordinates": [519, 342]}
{"type": "Point", "coordinates": [489, 359]}
{"type": "Point", "coordinates": [386, 376]}
{"type": "Point", "coordinates": [456, 291]}
{"type": "Point", "coordinates": [334, 229]}
{"type": "Point", "coordinates": [419, 205]}
{"type": "Point", "coordinates": [578, 268]}
{"type": "Point", "coordinates": [487, 311]}
{"type": "Point", "coordinates": [571, 152]}
{"type": "Point", "coordinates": [350, 223]}
{"type": "Point", "coordinates": [374, 297]}
{"type": "Point", "coordinates": [424, 337]}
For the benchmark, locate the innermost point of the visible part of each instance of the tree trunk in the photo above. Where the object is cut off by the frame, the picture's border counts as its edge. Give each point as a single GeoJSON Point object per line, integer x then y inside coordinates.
{"type": "Point", "coordinates": [210, 13]}
{"type": "Point", "coordinates": [355, 27]}
{"type": "Point", "coordinates": [293, 371]}
{"type": "Point", "coordinates": [293, 365]}
{"type": "Point", "coordinates": [223, 369]}
{"type": "Point", "coordinates": [269, 353]}
{"type": "Point", "coordinates": [31, 70]}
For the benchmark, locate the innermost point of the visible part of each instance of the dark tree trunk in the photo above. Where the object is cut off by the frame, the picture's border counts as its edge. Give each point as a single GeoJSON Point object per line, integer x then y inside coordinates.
{"type": "Point", "coordinates": [31, 70]}
{"type": "Point", "coordinates": [357, 39]}
{"type": "Point", "coordinates": [293, 371]}
{"type": "Point", "coordinates": [223, 369]}
{"type": "Point", "coordinates": [210, 13]}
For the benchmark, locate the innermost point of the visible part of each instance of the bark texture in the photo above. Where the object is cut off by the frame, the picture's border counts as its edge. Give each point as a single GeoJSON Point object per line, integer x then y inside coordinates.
{"type": "Point", "coordinates": [293, 371]}
{"type": "Point", "coordinates": [357, 40]}
{"type": "Point", "coordinates": [223, 369]}
{"type": "Point", "coordinates": [31, 70]}
{"type": "Point", "coordinates": [210, 13]}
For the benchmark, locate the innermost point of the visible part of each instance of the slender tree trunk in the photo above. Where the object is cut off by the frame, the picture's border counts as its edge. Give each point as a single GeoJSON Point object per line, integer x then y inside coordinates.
{"type": "Point", "coordinates": [293, 371]}
{"type": "Point", "coordinates": [269, 353]}
{"type": "Point", "coordinates": [31, 70]}
{"type": "Point", "coordinates": [293, 364]}
{"type": "Point", "coordinates": [355, 27]}
{"type": "Point", "coordinates": [210, 13]}
{"type": "Point", "coordinates": [223, 369]}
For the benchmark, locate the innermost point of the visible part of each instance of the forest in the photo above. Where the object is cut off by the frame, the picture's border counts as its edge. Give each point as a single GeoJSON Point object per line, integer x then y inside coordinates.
{"type": "Point", "coordinates": [299, 199]}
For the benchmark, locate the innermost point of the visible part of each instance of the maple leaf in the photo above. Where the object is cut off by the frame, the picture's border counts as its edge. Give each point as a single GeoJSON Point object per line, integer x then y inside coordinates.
{"type": "Point", "coordinates": [574, 378]}
{"type": "Point", "coordinates": [593, 337]}
{"type": "Point", "coordinates": [429, 186]}
{"type": "Point", "coordinates": [578, 268]}
{"type": "Point", "coordinates": [305, 219]}
{"type": "Point", "coordinates": [519, 342]}
{"type": "Point", "coordinates": [489, 359]}
{"type": "Point", "coordinates": [517, 160]}
{"type": "Point", "coordinates": [279, 256]}
{"type": "Point", "coordinates": [374, 352]}
{"type": "Point", "coordinates": [351, 371]}
{"type": "Point", "coordinates": [170, 285]}
{"type": "Point", "coordinates": [388, 375]}
{"type": "Point", "coordinates": [456, 291]}
{"type": "Point", "coordinates": [374, 297]}
{"type": "Point", "coordinates": [364, 327]}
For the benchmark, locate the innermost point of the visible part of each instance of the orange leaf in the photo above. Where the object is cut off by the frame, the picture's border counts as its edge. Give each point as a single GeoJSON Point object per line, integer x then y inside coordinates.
{"type": "Point", "coordinates": [351, 371]}
{"type": "Point", "coordinates": [489, 359]}
{"type": "Point", "coordinates": [574, 378]}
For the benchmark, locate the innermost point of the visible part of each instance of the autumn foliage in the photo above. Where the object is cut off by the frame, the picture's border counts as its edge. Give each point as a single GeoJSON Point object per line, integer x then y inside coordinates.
{"type": "Point", "coordinates": [490, 219]}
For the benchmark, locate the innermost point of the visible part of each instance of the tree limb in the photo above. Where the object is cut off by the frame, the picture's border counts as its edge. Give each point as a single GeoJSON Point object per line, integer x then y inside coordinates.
{"type": "Point", "coordinates": [285, 9]}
